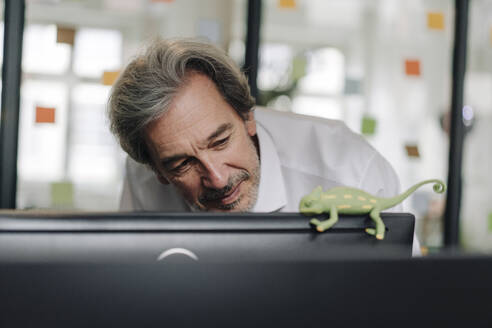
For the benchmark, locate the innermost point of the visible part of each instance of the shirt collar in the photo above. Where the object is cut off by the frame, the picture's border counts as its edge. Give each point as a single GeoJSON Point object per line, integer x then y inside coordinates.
{"type": "Point", "coordinates": [271, 191]}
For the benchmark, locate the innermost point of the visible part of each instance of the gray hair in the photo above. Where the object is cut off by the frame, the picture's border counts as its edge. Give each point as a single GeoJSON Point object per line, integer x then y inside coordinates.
{"type": "Point", "coordinates": [145, 89]}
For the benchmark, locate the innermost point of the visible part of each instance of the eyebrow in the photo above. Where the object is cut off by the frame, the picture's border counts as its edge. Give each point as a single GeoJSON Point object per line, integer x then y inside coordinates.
{"type": "Point", "coordinates": [221, 129]}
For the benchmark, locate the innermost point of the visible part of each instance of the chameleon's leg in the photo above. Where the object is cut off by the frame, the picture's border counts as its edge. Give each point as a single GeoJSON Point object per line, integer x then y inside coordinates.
{"type": "Point", "coordinates": [315, 221]}
{"type": "Point", "coordinates": [380, 227]}
{"type": "Point", "coordinates": [327, 224]}
{"type": "Point", "coordinates": [371, 231]}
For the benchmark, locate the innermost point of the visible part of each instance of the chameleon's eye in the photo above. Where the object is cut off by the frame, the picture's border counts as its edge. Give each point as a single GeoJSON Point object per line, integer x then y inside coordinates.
{"type": "Point", "coordinates": [308, 203]}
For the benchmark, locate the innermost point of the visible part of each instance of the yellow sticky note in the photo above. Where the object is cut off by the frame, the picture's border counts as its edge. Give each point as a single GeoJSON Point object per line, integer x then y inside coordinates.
{"type": "Point", "coordinates": [109, 77]}
{"type": "Point", "coordinates": [287, 4]}
{"type": "Point", "coordinates": [65, 35]}
{"type": "Point", "coordinates": [435, 21]}
{"type": "Point", "coordinates": [424, 250]}
{"type": "Point", "coordinates": [62, 194]}
{"type": "Point", "coordinates": [45, 114]}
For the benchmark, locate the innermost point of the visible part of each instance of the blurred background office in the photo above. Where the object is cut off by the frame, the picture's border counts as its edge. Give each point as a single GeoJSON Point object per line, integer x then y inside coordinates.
{"type": "Point", "coordinates": [381, 66]}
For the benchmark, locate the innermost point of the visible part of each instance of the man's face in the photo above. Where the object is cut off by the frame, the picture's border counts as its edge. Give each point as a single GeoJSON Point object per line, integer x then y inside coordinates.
{"type": "Point", "coordinates": [203, 147]}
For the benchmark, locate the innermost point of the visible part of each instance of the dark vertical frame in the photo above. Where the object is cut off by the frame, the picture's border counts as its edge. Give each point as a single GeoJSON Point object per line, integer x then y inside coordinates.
{"type": "Point", "coordinates": [251, 62]}
{"type": "Point", "coordinates": [11, 76]}
{"type": "Point", "coordinates": [457, 132]}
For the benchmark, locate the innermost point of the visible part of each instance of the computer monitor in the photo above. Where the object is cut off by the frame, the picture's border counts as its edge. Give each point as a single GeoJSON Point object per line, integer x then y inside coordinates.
{"type": "Point", "coordinates": [205, 237]}
{"type": "Point", "coordinates": [252, 270]}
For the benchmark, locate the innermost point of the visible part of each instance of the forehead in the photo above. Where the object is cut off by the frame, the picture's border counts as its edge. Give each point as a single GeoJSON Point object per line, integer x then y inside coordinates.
{"type": "Point", "coordinates": [196, 111]}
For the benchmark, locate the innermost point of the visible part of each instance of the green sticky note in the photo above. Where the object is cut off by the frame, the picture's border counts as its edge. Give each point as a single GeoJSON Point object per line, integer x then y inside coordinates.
{"type": "Point", "coordinates": [490, 221]}
{"type": "Point", "coordinates": [298, 67]}
{"type": "Point", "coordinates": [62, 194]}
{"type": "Point", "coordinates": [368, 125]}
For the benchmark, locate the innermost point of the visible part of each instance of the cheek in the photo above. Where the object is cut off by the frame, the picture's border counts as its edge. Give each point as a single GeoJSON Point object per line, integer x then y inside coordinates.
{"type": "Point", "coordinates": [242, 153]}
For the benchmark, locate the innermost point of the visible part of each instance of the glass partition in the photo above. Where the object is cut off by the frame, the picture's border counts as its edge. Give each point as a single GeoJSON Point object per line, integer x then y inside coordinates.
{"type": "Point", "coordinates": [383, 67]}
{"type": "Point", "coordinates": [72, 53]}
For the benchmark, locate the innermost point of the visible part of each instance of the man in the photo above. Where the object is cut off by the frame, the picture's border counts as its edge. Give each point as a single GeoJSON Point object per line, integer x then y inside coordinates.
{"type": "Point", "coordinates": [184, 114]}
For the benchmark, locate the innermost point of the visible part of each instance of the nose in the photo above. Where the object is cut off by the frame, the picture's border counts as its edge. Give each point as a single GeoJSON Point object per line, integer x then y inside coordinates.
{"type": "Point", "coordinates": [214, 174]}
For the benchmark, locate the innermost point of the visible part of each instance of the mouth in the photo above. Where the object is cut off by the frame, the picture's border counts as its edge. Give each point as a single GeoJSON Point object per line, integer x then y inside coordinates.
{"type": "Point", "coordinates": [231, 197]}
{"type": "Point", "coordinates": [226, 201]}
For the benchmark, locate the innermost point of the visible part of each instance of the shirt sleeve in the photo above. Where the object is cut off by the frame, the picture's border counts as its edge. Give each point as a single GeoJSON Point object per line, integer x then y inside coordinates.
{"type": "Point", "coordinates": [380, 179]}
{"type": "Point", "coordinates": [128, 202]}
{"type": "Point", "coordinates": [126, 199]}
{"type": "Point", "coordinates": [142, 191]}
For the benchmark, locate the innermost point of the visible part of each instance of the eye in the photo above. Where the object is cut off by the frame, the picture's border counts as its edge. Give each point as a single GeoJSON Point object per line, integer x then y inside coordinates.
{"type": "Point", "coordinates": [308, 203]}
{"type": "Point", "coordinates": [182, 167]}
{"type": "Point", "coordinates": [221, 143]}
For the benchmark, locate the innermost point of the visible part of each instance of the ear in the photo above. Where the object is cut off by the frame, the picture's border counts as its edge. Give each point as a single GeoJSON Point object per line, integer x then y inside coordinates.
{"type": "Point", "coordinates": [250, 124]}
{"type": "Point", "coordinates": [162, 179]}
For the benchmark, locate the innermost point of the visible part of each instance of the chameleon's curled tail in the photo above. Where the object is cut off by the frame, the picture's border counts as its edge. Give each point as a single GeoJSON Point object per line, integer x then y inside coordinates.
{"type": "Point", "coordinates": [438, 187]}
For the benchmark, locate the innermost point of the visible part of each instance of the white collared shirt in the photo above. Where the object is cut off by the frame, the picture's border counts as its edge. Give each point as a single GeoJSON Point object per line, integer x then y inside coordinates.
{"type": "Point", "coordinates": [297, 154]}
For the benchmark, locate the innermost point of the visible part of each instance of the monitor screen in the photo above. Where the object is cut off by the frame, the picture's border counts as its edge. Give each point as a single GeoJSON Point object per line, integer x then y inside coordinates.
{"type": "Point", "coordinates": [204, 237]}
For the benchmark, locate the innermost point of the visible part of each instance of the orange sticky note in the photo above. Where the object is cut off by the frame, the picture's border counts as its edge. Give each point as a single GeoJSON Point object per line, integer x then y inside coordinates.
{"type": "Point", "coordinates": [109, 77]}
{"type": "Point", "coordinates": [45, 114]}
{"type": "Point", "coordinates": [435, 21]}
{"type": "Point", "coordinates": [65, 35]}
{"type": "Point", "coordinates": [287, 4]}
{"type": "Point", "coordinates": [412, 150]}
{"type": "Point", "coordinates": [412, 67]}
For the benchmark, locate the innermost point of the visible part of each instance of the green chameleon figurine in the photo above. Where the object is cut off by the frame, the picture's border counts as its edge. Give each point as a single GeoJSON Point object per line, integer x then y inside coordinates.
{"type": "Point", "coordinates": [345, 200]}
